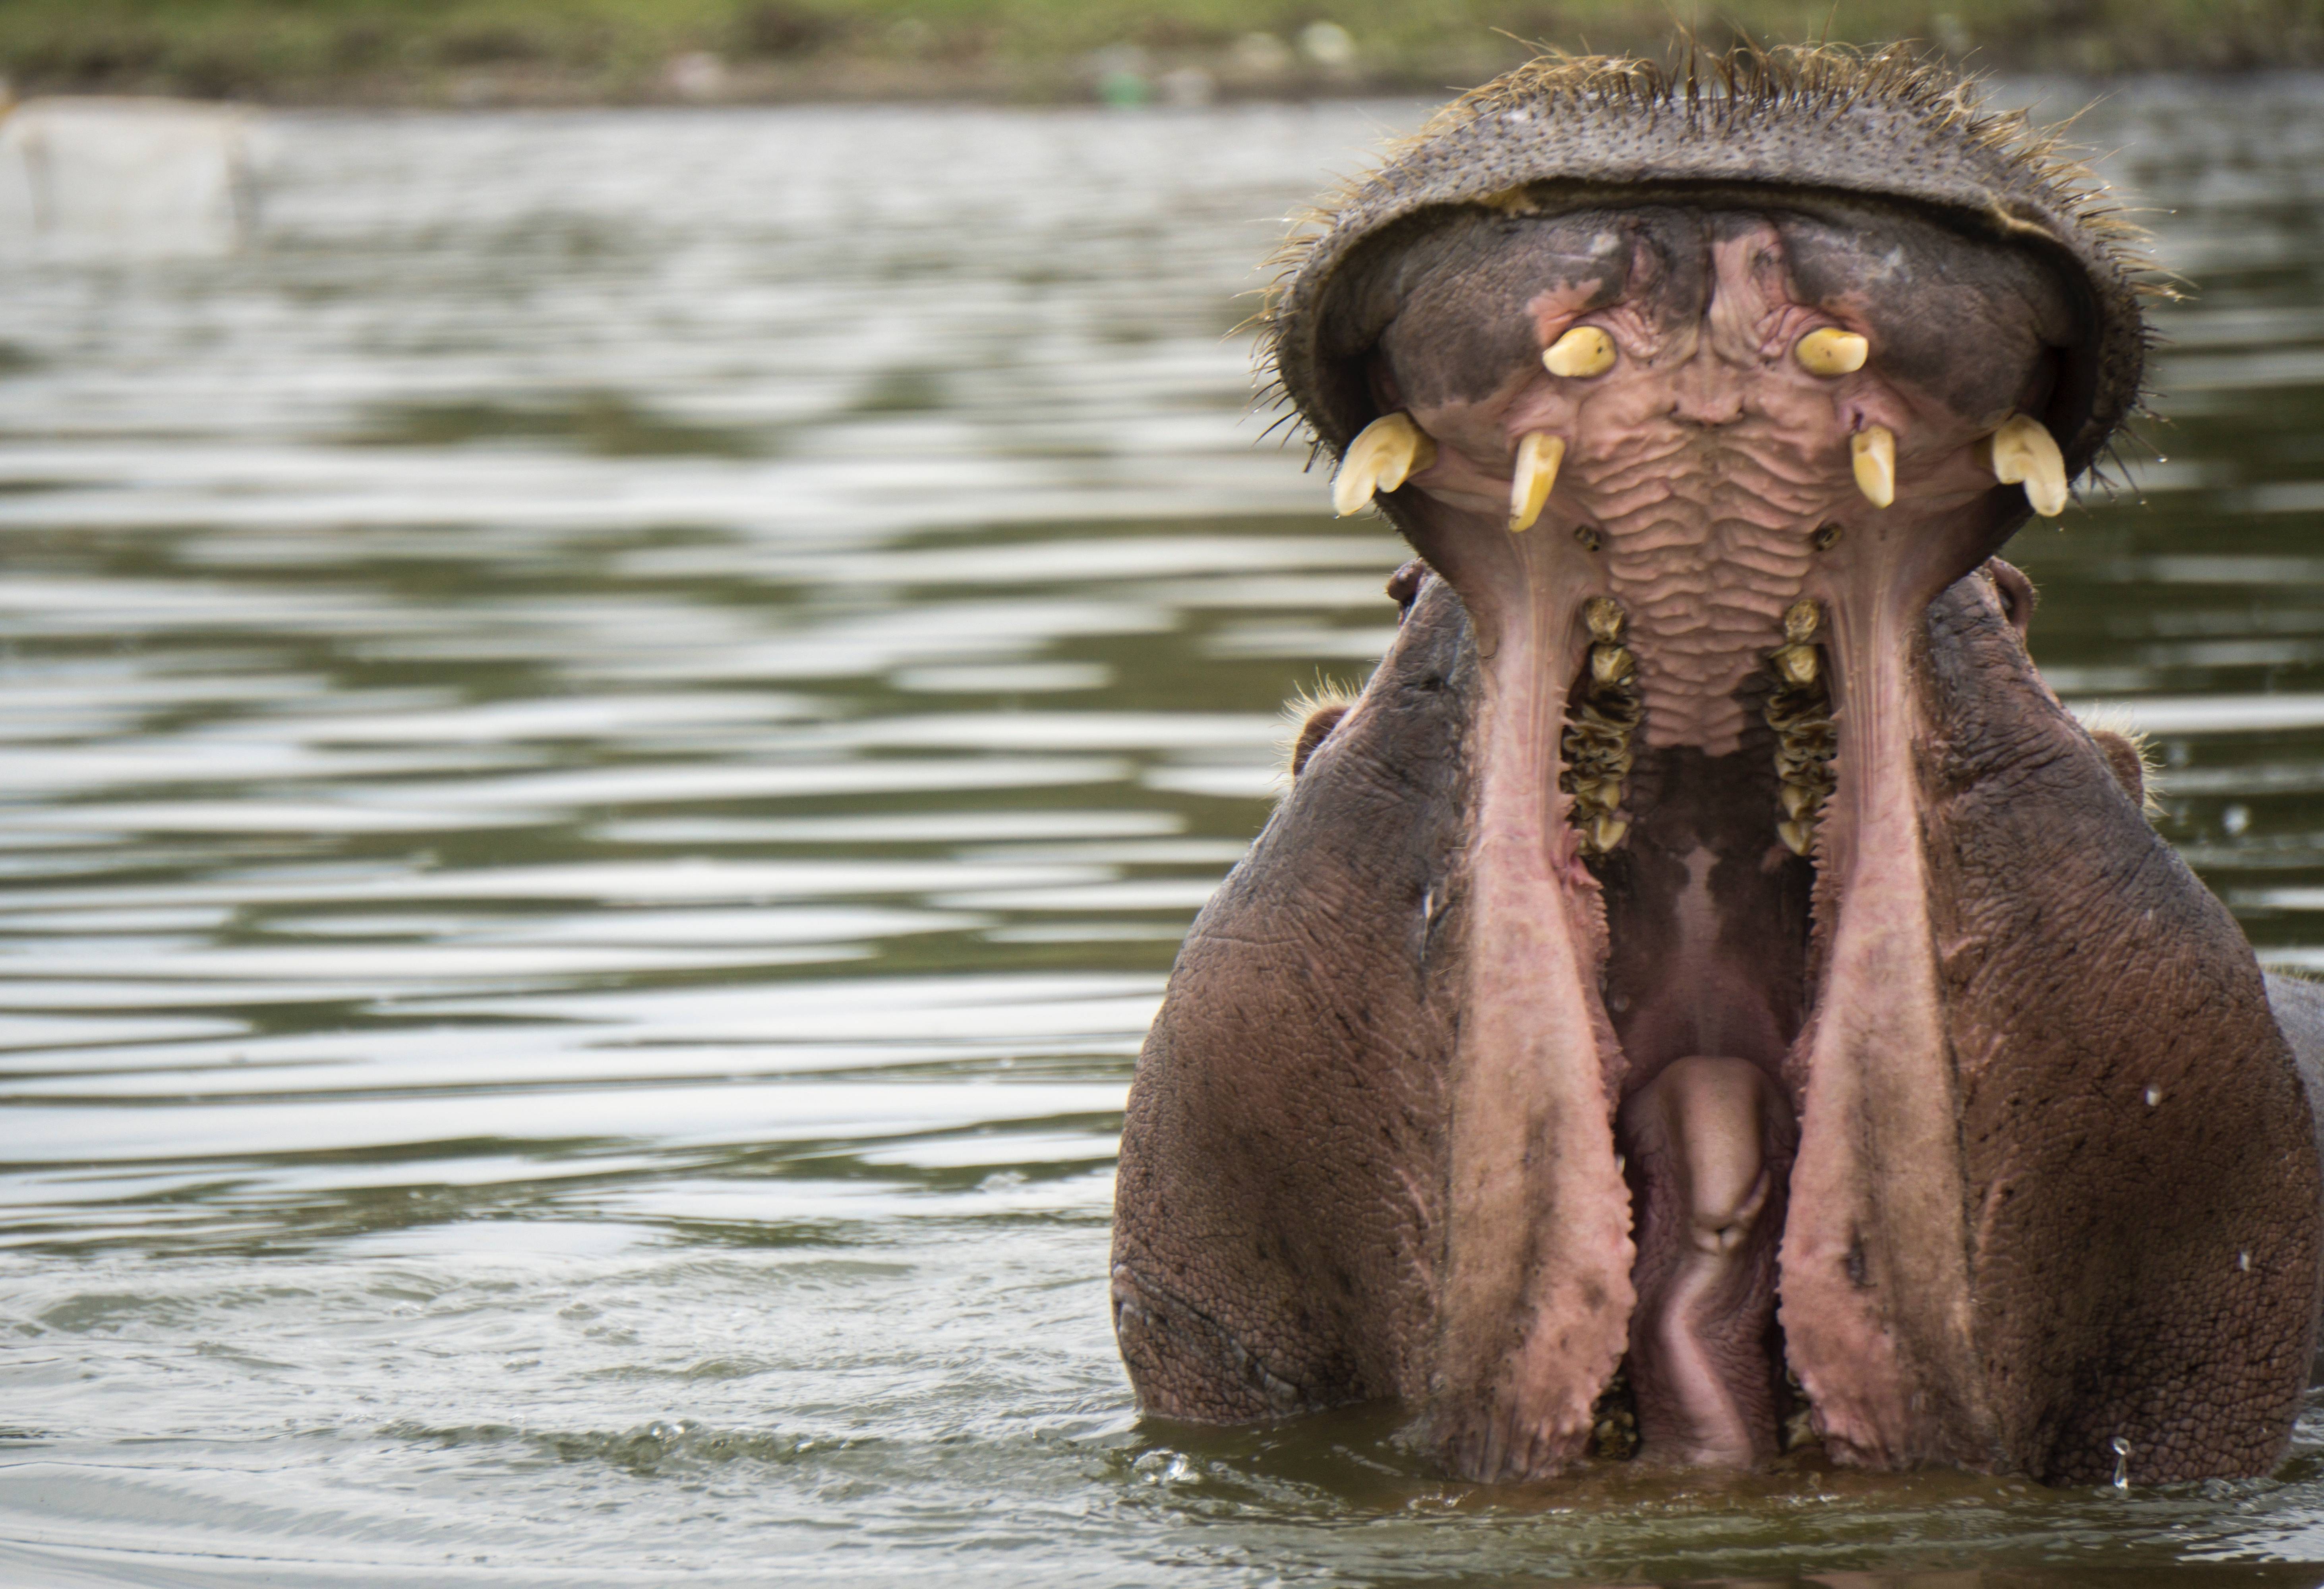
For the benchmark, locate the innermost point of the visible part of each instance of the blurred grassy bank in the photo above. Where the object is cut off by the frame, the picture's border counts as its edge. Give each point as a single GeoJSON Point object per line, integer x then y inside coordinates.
{"type": "Point", "coordinates": [578, 51]}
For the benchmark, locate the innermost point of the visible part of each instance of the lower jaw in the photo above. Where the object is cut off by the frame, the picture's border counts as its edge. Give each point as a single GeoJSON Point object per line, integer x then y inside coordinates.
{"type": "Point", "coordinates": [1700, 976]}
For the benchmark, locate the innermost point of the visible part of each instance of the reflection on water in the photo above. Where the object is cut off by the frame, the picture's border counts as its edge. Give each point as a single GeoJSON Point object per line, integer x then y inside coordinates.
{"type": "Point", "coordinates": [610, 734]}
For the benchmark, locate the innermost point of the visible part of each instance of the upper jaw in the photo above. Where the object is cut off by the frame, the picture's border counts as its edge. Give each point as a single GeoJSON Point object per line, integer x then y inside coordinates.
{"type": "Point", "coordinates": [1719, 447]}
{"type": "Point", "coordinates": [1857, 138]}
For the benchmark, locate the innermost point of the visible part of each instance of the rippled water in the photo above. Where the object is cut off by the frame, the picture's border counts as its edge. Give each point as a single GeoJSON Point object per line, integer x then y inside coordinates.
{"type": "Point", "coordinates": [611, 728]}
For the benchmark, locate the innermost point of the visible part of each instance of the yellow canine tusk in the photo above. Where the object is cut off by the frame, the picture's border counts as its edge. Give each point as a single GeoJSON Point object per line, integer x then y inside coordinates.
{"type": "Point", "coordinates": [1385, 453]}
{"type": "Point", "coordinates": [1538, 455]}
{"type": "Point", "coordinates": [2024, 451]}
{"type": "Point", "coordinates": [1831, 352]}
{"type": "Point", "coordinates": [1874, 451]}
{"type": "Point", "coordinates": [1582, 351]}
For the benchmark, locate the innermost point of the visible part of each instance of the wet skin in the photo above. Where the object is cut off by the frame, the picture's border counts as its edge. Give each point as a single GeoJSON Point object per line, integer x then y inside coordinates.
{"type": "Point", "coordinates": [1707, 994]}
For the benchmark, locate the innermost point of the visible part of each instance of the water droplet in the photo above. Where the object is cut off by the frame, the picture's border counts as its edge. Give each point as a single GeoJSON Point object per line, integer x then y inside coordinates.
{"type": "Point", "coordinates": [2154, 1096]}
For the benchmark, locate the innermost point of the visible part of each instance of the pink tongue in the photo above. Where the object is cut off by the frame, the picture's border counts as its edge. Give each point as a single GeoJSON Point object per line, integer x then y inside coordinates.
{"type": "Point", "coordinates": [1709, 1143]}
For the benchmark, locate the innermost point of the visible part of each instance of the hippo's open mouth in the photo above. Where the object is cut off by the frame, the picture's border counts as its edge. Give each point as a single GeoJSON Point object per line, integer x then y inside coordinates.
{"type": "Point", "coordinates": [1662, 1016]}
{"type": "Point", "coordinates": [1696, 462]}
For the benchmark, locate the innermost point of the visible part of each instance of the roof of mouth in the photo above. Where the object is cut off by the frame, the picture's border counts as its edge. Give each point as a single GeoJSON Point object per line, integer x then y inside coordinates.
{"type": "Point", "coordinates": [1892, 124]}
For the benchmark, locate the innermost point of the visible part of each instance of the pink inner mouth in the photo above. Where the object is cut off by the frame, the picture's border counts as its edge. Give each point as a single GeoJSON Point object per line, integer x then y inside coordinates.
{"type": "Point", "coordinates": [1678, 1024]}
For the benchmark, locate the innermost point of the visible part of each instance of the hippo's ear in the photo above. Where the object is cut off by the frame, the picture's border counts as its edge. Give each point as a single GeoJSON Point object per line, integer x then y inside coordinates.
{"type": "Point", "coordinates": [1308, 719]}
{"type": "Point", "coordinates": [1404, 587]}
{"type": "Point", "coordinates": [2130, 756]}
{"type": "Point", "coordinates": [2018, 598]}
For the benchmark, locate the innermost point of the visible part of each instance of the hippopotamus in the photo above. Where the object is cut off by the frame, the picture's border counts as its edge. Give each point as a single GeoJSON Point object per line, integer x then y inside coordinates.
{"type": "Point", "coordinates": [1706, 998]}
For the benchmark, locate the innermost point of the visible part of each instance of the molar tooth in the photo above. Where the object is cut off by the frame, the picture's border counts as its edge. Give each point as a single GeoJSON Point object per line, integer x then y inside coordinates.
{"type": "Point", "coordinates": [1797, 663]}
{"type": "Point", "coordinates": [1802, 618]}
{"type": "Point", "coordinates": [2025, 450]}
{"type": "Point", "coordinates": [1596, 738]}
{"type": "Point", "coordinates": [1582, 351]}
{"type": "Point", "coordinates": [1799, 801]}
{"type": "Point", "coordinates": [1385, 453]}
{"type": "Point", "coordinates": [1831, 352]}
{"type": "Point", "coordinates": [1538, 455]}
{"type": "Point", "coordinates": [1874, 451]}
{"type": "Point", "coordinates": [1796, 836]}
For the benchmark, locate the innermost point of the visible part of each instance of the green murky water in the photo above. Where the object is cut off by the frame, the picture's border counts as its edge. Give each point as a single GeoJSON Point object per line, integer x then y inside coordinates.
{"type": "Point", "coordinates": [609, 729]}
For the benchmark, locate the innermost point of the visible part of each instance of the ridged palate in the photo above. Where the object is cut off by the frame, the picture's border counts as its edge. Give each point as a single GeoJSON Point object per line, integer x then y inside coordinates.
{"type": "Point", "coordinates": [1704, 576]}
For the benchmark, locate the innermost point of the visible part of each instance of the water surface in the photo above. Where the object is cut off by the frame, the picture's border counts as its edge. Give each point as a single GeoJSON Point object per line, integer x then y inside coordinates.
{"type": "Point", "coordinates": [610, 728]}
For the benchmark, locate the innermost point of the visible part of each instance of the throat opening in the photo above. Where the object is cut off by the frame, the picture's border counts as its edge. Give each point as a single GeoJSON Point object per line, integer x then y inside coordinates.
{"type": "Point", "coordinates": [1709, 896]}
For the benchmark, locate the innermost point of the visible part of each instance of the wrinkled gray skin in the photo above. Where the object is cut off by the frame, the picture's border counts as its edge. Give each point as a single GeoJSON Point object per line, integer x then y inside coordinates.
{"type": "Point", "coordinates": [2298, 1005]}
{"type": "Point", "coordinates": [1972, 1135]}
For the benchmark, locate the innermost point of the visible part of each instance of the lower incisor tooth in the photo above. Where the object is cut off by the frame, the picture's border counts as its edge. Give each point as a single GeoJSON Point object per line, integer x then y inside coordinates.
{"type": "Point", "coordinates": [1538, 457]}
{"type": "Point", "coordinates": [2025, 450]}
{"type": "Point", "coordinates": [1582, 351]}
{"type": "Point", "coordinates": [1873, 451]}
{"type": "Point", "coordinates": [1831, 352]}
{"type": "Point", "coordinates": [1385, 453]}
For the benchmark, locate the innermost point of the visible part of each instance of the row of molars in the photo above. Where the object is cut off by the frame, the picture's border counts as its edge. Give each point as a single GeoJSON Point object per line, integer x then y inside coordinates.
{"type": "Point", "coordinates": [1391, 449]}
